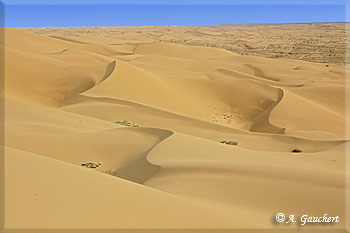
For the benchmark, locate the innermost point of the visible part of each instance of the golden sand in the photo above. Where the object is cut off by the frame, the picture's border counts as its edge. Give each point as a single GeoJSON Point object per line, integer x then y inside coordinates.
{"type": "Point", "coordinates": [151, 115]}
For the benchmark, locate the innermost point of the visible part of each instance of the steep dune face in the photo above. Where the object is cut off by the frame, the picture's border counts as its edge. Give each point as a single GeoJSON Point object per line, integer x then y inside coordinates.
{"type": "Point", "coordinates": [72, 100]}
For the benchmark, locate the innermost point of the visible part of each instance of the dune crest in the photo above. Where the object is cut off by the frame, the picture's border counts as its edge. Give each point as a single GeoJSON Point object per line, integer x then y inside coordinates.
{"type": "Point", "coordinates": [138, 169]}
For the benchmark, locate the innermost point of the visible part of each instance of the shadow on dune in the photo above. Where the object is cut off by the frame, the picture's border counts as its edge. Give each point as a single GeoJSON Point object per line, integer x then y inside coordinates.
{"type": "Point", "coordinates": [261, 122]}
{"type": "Point", "coordinates": [138, 169]}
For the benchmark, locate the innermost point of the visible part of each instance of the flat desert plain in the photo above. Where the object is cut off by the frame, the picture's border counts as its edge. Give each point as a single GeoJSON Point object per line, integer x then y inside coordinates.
{"type": "Point", "coordinates": [175, 127]}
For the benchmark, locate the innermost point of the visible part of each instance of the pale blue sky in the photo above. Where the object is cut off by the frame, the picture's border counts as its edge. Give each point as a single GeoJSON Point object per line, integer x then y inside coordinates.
{"type": "Point", "coordinates": [39, 13]}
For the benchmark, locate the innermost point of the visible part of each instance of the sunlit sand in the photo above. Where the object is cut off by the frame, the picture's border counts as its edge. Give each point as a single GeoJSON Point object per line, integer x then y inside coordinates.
{"type": "Point", "coordinates": [144, 128]}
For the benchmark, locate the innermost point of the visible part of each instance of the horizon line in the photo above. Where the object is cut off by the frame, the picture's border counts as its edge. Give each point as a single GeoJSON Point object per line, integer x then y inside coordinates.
{"type": "Point", "coordinates": [222, 24]}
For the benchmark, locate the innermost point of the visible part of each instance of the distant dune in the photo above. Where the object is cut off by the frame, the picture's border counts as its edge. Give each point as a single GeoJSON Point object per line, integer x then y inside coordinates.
{"type": "Point", "coordinates": [150, 115]}
{"type": "Point", "coordinates": [314, 42]}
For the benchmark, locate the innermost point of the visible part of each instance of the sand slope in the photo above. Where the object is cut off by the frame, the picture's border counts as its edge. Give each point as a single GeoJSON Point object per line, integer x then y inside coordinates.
{"type": "Point", "coordinates": [54, 71]}
{"type": "Point", "coordinates": [91, 199]}
{"type": "Point", "coordinates": [229, 179]}
{"type": "Point", "coordinates": [63, 95]}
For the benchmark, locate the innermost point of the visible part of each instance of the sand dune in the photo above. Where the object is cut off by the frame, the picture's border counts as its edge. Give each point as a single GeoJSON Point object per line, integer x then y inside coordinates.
{"type": "Point", "coordinates": [229, 181]}
{"type": "Point", "coordinates": [315, 42]}
{"type": "Point", "coordinates": [91, 199]}
{"type": "Point", "coordinates": [54, 76]}
{"type": "Point", "coordinates": [150, 116]}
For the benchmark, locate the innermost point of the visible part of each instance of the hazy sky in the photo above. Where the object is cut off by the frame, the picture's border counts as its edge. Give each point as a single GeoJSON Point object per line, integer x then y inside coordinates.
{"type": "Point", "coordinates": [38, 13]}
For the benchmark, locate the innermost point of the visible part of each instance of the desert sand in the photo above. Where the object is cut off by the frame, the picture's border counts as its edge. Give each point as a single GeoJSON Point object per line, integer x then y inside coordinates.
{"type": "Point", "coordinates": [151, 116]}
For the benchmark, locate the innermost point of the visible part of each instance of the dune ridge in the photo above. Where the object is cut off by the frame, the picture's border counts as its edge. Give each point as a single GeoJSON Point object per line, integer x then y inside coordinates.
{"type": "Point", "coordinates": [138, 169]}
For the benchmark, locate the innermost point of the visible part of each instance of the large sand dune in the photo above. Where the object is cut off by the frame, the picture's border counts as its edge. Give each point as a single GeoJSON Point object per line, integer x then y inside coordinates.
{"type": "Point", "coordinates": [168, 169]}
